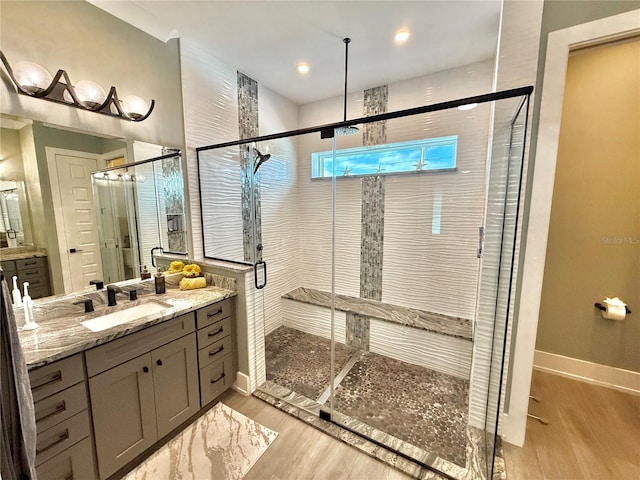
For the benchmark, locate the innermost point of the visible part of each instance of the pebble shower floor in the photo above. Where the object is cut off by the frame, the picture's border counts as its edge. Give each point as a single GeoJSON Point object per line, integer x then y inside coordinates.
{"type": "Point", "coordinates": [424, 408]}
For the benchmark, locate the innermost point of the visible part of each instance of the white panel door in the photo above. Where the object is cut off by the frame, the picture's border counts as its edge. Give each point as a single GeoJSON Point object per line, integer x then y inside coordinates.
{"type": "Point", "coordinates": [79, 219]}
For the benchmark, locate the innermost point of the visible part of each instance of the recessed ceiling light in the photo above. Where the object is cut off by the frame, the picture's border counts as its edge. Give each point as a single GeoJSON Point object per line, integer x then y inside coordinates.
{"type": "Point", "coordinates": [468, 106]}
{"type": "Point", "coordinates": [402, 36]}
{"type": "Point", "coordinates": [303, 68]}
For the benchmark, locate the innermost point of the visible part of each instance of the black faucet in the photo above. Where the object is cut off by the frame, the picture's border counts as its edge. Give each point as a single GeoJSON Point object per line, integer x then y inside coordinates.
{"type": "Point", "coordinates": [112, 290]}
{"type": "Point", "coordinates": [88, 304]}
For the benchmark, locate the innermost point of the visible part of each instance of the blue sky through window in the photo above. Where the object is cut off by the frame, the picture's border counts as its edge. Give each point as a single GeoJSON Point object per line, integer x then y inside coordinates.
{"type": "Point", "coordinates": [414, 156]}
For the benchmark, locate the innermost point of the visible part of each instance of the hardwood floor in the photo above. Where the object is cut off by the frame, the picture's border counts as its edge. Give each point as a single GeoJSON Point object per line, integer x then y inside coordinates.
{"type": "Point", "coordinates": [303, 453]}
{"type": "Point", "coordinates": [594, 433]}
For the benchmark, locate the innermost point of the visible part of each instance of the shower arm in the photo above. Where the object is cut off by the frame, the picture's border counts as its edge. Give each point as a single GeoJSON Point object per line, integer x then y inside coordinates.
{"type": "Point", "coordinates": [346, 41]}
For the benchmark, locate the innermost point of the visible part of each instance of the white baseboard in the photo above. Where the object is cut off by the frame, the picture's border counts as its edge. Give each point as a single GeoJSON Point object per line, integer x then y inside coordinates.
{"type": "Point", "coordinates": [241, 385]}
{"type": "Point", "coordinates": [624, 380]}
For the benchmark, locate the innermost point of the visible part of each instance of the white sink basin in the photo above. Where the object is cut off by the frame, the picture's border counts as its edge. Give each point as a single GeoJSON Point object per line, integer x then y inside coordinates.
{"type": "Point", "coordinates": [123, 316]}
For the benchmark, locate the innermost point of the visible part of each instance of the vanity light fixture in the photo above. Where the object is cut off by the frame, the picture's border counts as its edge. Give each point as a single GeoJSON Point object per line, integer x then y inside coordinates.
{"type": "Point", "coordinates": [303, 68]}
{"type": "Point", "coordinates": [35, 81]}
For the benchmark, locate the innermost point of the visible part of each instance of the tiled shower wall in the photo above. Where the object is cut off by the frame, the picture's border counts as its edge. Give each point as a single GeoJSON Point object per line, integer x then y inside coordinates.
{"type": "Point", "coordinates": [421, 270]}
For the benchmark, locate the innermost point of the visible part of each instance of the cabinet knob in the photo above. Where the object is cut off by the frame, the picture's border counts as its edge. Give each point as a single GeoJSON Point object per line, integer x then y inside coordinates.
{"type": "Point", "coordinates": [159, 362]}
{"type": "Point", "coordinates": [145, 369]}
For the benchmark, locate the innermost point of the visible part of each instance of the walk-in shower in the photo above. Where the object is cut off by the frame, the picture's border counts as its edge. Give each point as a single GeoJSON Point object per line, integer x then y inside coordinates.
{"type": "Point", "coordinates": [390, 258]}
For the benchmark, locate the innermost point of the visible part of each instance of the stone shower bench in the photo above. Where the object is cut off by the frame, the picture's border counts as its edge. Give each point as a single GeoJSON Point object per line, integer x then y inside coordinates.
{"type": "Point", "coordinates": [432, 322]}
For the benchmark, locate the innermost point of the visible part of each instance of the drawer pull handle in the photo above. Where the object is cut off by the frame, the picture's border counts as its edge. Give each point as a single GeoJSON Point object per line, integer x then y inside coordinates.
{"type": "Point", "coordinates": [214, 313]}
{"type": "Point", "coordinates": [221, 348]}
{"type": "Point", "coordinates": [26, 264]}
{"type": "Point", "coordinates": [61, 407]}
{"type": "Point", "coordinates": [56, 378]}
{"type": "Point", "coordinates": [218, 379]}
{"type": "Point", "coordinates": [159, 363]}
{"type": "Point", "coordinates": [61, 438]}
{"type": "Point", "coordinates": [213, 334]}
{"type": "Point", "coordinates": [145, 369]}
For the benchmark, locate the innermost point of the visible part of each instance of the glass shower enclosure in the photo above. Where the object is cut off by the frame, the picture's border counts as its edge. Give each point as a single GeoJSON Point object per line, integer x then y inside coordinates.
{"type": "Point", "coordinates": [383, 273]}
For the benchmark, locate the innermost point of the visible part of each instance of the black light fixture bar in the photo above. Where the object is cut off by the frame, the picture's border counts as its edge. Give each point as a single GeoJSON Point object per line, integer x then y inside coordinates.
{"type": "Point", "coordinates": [61, 83]}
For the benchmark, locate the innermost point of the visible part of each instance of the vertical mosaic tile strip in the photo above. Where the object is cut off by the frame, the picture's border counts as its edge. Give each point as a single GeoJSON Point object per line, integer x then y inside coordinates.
{"type": "Point", "coordinates": [357, 332]}
{"type": "Point", "coordinates": [173, 188]}
{"type": "Point", "coordinates": [372, 220]}
{"type": "Point", "coordinates": [372, 238]}
{"type": "Point", "coordinates": [375, 101]}
{"type": "Point", "coordinates": [247, 128]}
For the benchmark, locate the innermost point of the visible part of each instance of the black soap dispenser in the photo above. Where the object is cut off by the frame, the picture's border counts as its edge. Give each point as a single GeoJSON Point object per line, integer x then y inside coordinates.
{"type": "Point", "coordinates": [160, 283]}
{"type": "Point", "coordinates": [144, 273]}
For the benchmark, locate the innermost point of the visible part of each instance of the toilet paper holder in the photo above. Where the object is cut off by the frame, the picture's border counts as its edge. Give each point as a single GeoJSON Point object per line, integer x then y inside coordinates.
{"type": "Point", "coordinates": [604, 308]}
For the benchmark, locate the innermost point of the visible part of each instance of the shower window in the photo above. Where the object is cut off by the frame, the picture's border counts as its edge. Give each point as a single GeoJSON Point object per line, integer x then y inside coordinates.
{"type": "Point", "coordinates": [433, 154]}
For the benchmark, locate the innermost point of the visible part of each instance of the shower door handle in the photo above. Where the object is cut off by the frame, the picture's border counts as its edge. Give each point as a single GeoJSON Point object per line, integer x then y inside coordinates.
{"type": "Point", "coordinates": [260, 266]}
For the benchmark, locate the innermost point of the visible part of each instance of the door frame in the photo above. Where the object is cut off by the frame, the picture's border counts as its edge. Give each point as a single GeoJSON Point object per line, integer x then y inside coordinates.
{"type": "Point", "coordinates": [560, 44]}
{"type": "Point", "coordinates": [58, 213]}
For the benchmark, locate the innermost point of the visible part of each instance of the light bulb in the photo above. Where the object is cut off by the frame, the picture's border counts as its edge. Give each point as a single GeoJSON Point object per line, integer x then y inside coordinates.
{"type": "Point", "coordinates": [32, 77]}
{"type": "Point", "coordinates": [90, 93]}
{"type": "Point", "coordinates": [134, 106]}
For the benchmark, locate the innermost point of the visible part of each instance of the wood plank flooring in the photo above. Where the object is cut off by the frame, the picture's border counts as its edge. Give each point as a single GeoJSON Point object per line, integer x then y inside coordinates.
{"type": "Point", "coordinates": [594, 433]}
{"type": "Point", "coordinates": [303, 453]}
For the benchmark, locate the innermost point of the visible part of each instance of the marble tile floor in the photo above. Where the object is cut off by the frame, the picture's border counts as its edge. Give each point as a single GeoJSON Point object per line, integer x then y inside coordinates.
{"type": "Point", "coordinates": [413, 405]}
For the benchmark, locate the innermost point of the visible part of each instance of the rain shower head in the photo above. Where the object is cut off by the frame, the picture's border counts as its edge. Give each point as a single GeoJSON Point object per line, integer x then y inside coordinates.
{"type": "Point", "coordinates": [260, 159]}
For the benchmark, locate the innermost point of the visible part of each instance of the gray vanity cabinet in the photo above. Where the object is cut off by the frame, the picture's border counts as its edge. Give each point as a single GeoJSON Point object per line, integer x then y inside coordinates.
{"type": "Point", "coordinates": [141, 400]}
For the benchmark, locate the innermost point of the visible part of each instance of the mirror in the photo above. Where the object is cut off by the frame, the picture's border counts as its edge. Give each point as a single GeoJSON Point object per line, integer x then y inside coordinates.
{"type": "Point", "coordinates": [90, 230]}
{"type": "Point", "coordinates": [148, 194]}
{"type": "Point", "coordinates": [12, 201]}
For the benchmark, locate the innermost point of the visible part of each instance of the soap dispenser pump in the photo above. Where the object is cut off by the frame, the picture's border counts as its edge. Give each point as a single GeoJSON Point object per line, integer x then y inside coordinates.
{"type": "Point", "coordinates": [17, 298]}
{"type": "Point", "coordinates": [30, 323]}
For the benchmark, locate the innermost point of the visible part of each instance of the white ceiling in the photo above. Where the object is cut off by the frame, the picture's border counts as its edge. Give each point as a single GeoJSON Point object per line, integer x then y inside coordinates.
{"type": "Point", "coordinates": [267, 39]}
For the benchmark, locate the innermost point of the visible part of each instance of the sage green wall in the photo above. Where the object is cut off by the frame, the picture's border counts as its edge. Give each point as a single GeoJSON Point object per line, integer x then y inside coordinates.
{"type": "Point", "coordinates": [593, 248]}
{"type": "Point", "coordinates": [10, 155]}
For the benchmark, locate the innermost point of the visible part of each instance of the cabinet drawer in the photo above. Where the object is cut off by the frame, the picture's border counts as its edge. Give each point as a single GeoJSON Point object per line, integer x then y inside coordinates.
{"type": "Point", "coordinates": [56, 376]}
{"type": "Point", "coordinates": [30, 263]}
{"type": "Point", "coordinates": [60, 437]}
{"type": "Point", "coordinates": [119, 351]}
{"type": "Point", "coordinates": [8, 265]}
{"type": "Point", "coordinates": [216, 378]}
{"type": "Point", "coordinates": [213, 333]}
{"type": "Point", "coordinates": [213, 313]}
{"type": "Point", "coordinates": [58, 407]}
{"type": "Point", "coordinates": [39, 292]}
{"type": "Point", "coordinates": [214, 351]}
{"type": "Point", "coordinates": [75, 463]}
{"type": "Point", "coordinates": [35, 275]}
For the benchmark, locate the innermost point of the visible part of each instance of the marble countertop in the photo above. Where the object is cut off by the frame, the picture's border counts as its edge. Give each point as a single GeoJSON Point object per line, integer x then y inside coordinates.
{"type": "Point", "coordinates": [60, 333]}
{"type": "Point", "coordinates": [411, 317]}
{"type": "Point", "coordinates": [21, 253]}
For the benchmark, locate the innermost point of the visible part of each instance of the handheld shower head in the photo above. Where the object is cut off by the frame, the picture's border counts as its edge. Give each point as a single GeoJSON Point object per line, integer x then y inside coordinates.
{"type": "Point", "coordinates": [260, 159]}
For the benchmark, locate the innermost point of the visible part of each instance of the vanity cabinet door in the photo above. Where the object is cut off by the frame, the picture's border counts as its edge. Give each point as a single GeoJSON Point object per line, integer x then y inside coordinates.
{"type": "Point", "coordinates": [124, 413]}
{"type": "Point", "coordinates": [175, 379]}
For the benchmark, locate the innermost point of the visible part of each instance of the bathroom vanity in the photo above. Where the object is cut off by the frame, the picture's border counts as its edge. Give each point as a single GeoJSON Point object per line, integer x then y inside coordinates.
{"type": "Point", "coordinates": [105, 400]}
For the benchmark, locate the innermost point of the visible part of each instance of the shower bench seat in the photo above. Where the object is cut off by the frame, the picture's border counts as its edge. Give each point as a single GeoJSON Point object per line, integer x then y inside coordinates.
{"type": "Point", "coordinates": [440, 342]}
